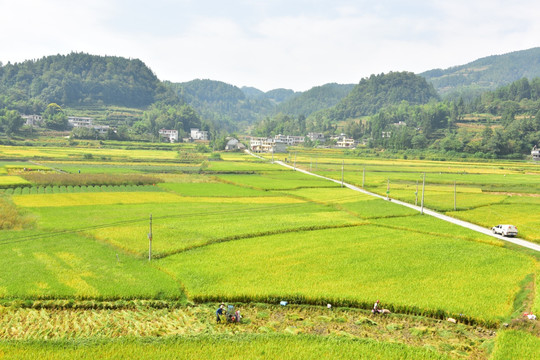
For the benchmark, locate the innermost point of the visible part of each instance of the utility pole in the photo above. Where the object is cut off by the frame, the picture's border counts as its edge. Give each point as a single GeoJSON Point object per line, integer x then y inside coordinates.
{"type": "Point", "coordinates": [295, 161]}
{"type": "Point", "coordinates": [342, 165]}
{"type": "Point", "coordinates": [454, 195]}
{"type": "Point", "coordinates": [388, 190]}
{"type": "Point", "coordinates": [416, 194]}
{"type": "Point", "coordinates": [150, 240]}
{"type": "Point", "coordinates": [423, 188]}
{"type": "Point", "coordinates": [272, 156]}
{"type": "Point", "coordinates": [310, 164]}
{"type": "Point", "coordinates": [363, 177]}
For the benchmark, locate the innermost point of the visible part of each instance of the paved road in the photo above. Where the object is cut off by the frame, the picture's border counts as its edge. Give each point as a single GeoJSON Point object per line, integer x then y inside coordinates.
{"type": "Point", "coordinates": [465, 224]}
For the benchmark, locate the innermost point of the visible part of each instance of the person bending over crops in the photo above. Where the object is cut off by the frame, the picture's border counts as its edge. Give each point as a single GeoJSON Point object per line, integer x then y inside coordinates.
{"type": "Point", "coordinates": [376, 308]}
{"type": "Point", "coordinates": [220, 312]}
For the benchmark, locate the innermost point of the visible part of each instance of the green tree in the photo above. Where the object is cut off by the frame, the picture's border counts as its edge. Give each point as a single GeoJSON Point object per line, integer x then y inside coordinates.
{"type": "Point", "coordinates": [55, 118]}
{"type": "Point", "coordinates": [11, 121]}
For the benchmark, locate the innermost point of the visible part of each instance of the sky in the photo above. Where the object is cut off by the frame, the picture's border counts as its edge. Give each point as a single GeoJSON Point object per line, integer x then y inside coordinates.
{"type": "Point", "coordinates": [293, 44]}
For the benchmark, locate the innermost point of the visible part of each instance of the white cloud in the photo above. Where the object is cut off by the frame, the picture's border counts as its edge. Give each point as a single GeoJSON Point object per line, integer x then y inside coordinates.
{"type": "Point", "coordinates": [295, 44]}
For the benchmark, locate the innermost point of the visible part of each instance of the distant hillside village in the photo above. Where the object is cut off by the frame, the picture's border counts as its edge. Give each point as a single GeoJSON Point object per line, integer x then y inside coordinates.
{"type": "Point", "coordinates": [279, 143]}
{"type": "Point", "coordinates": [74, 122]}
{"type": "Point", "coordinates": [172, 135]}
{"type": "Point", "coordinates": [88, 123]}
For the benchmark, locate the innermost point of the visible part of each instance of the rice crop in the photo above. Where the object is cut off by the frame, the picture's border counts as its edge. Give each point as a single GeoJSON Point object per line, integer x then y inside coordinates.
{"type": "Point", "coordinates": [524, 215]}
{"type": "Point", "coordinates": [484, 190]}
{"type": "Point", "coordinates": [439, 200]}
{"type": "Point", "coordinates": [220, 347]}
{"type": "Point", "coordinates": [335, 195]}
{"type": "Point", "coordinates": [184, 225]}
{"type": "Point", "coordinates": [52, 152]}
{"type": "Point", "coordinates": [241, 166]}
{"type": "Point", "coordinates": [10, 217]}
{"type": "Point", "coordinates": [62, 320]}
{"type": "Point", "coordinates": [41, 199]}
{"type": "Point", "coordinates": [277, 181]}
{"type": "Point", "coordinates": [213, 190]}
{"type": "Point", "coordinates": [24, 167]}
{"type": "Point", "coordinates": [89, 179]}
{"type": "Point", "coordinates": [431, 225]}
{"type": "Point", "coordinates": [71, 189]}
{"type": "Point", "coordinates": [68, 265]}
{"type": "Point", "coordinates": [12, 181]}
{"type": "Point", "coordinates": [516, 345]}
{"type": "Point", "coordinates": [355, 266]}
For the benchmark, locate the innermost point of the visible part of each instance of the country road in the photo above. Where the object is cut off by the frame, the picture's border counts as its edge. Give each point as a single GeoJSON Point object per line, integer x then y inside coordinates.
{"type": "Point", "coordinates": [465, 224]}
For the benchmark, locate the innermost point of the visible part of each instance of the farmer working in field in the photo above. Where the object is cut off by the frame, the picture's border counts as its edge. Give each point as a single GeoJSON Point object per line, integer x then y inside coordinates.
{"type": "Point", "coordinates": [220, 312]}
{"type": "Point", "coordinates": [376, 309]}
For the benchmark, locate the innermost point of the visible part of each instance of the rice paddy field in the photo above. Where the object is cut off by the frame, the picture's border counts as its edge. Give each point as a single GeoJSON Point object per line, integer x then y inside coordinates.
{"type": "Point", "coordinates": [481, 193]}
{"type": "Point", "coordinates": [76, 279]}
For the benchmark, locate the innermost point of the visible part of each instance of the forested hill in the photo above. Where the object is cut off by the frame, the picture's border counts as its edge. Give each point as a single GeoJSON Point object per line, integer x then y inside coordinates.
{"type": "Point", "coordinates": [80, 79]}
{"type": "Point", "coordinates": [228, 105]}
{"type": "Point", "coordinates": [487, 73]}
{"type": "Point", "coordinates": [315, 99]}
{"type": "Point", "coordinates": [378, 91]}
{"type": "Point", "coordinates": [276, 96]}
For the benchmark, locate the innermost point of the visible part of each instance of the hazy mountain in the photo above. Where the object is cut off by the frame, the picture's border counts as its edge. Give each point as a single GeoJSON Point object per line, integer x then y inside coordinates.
{"type": "Point", "coordinates": [486, 73]}
{"type": "Point", "coordinates": [252, 93]}
{"type": "Point", "coordinates": [224, 104]}
{"type": "Point", "coordinates": [276, 96]}
{"type": "Point", "coordinates": [377, 91]}
{"type": "Point", "coordinates": [280, 95]}
{"type": "Point", "coordinates": [315, 99]}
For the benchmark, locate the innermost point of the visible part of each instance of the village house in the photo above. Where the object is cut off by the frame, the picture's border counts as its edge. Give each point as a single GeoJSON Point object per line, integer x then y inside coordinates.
{"type": "Point", "coordinates": [268, 145]}
{"type": "Point", "coordinates": [289, 139]}
{"type": "Point", "coordinates": [316, 137]}
{"type": "Point", "coordinates": [76, 121]}
{"type": "Point", "coordinates": [86, 122]}
{"type": "Point", "coordinates": [197, 134]}
{"type": "Point", "coordinates": [233, 145]}
{"type": "Point", "coordinates": [342, 141]}
{"type": "Point", "coordinates": [346, 143]}
{"type": "Point", "coordinates": [32, 120]}
{"type": "Point", "coordinates": [535, 153]}
{"type": "Point", "coordinates": [170, 135]}
{"type": "Point", "coordinates": [261, 144]}
{"type": "Point", "coordinates": [101, 129]}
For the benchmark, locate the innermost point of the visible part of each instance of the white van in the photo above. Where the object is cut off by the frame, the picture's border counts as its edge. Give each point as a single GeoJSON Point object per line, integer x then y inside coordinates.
{"type": "Point", "coordinates": [505, 230]}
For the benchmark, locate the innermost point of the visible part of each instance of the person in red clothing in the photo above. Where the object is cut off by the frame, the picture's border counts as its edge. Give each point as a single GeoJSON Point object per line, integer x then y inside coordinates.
{"type": "Point", "coordinates": [376, 309]}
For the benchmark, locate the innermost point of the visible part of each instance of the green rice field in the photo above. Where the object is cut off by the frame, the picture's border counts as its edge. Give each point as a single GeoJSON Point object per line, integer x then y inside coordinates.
{"type": "Point", "coordinates": [252, 233]}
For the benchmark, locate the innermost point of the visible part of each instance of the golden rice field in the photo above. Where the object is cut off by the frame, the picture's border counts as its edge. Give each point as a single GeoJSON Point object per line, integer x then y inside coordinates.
{"type": "Point", "coordinates": [68, 153]}
{"type": "Point", "coordinates": [245, 231]}
{"type": "Point", "coordinates": [478, 281]}
{"type": "Point", "coordinates": [483, 193]}
{"type": "Point", "coordinates": [221, 347]}
{"type": "Point", "coordinates": [10, 181]}
{"type": "Point", "coordinates": [94, 199]}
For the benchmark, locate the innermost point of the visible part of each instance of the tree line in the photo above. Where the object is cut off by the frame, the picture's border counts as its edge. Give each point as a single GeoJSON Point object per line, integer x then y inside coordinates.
{"type": "Point", "coordinates": [77, 79]}
{"type": "Point", "coordinates": [506, 122]}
